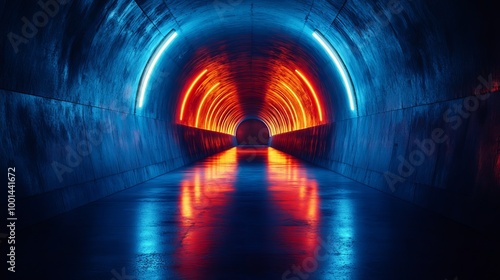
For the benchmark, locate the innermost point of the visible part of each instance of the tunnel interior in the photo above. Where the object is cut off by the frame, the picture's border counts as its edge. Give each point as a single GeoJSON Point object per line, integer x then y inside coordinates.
{"type": "Point", "coordinates": [401, 97]}
{"type": "Point", "coordinates": [252, 132]}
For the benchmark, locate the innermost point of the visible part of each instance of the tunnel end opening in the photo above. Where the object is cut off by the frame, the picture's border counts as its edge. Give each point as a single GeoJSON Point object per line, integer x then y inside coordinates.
{"type": "Point", "coordinates": [252, 132]}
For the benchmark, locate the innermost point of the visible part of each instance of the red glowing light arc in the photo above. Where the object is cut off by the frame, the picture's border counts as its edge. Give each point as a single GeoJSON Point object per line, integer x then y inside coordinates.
{"type": "Point", "coordinates": [291, 103]}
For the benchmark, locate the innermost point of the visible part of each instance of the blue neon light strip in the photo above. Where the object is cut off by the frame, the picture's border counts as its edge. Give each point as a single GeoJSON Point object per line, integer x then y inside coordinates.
{"type": "Point", "coordinates": [151, 66]}
{"type": "Point", "coordinates": [338, 63]}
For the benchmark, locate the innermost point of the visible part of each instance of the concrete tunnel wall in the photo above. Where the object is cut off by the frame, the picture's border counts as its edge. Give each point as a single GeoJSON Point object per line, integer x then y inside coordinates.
{"type": "Point", "coordinates": [409, 61]}
{"type": "Point", "coordinates": [79, 153]}
{"type": "Point", "coordinates": [435, 60]}
{"type": "Point", "coordinates": [67, 113]}
{"type": "Point", "coordinates": [456, 176]}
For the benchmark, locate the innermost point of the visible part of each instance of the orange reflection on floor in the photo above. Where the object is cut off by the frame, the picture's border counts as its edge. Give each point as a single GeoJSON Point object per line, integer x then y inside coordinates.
{"type": "Point", "coordinates": [204, 193]}
{"type": "Point", "coordinates": [296, 197]}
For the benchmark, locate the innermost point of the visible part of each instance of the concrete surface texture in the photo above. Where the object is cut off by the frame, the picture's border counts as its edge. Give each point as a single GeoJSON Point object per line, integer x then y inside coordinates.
{"type": "Point", "coordinates": [424, 125]}
{"type": "Point", "coordinates": [410, 61]}
{"type": "Point", "coordinates": [254, 213]}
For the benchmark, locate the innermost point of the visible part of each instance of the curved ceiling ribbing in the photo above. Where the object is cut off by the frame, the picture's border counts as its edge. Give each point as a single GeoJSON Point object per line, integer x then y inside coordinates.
{"type": "Point", "coordinates": [399, 53]}
{"type": "Point", "coordinates": [230, 83]}
{"type": "Point", "coordinates": [402, 55]}
{"type": "Point", "coordinates": [277, 73]}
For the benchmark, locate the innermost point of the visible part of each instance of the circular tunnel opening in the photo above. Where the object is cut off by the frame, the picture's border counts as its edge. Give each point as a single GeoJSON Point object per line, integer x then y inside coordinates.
{"type": "Point", "coordinates": [252, 132]}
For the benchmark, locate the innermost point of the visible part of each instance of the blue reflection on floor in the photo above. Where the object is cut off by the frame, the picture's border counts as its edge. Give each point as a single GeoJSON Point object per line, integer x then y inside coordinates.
{"type": "Point", "coordinates": [253, 213]}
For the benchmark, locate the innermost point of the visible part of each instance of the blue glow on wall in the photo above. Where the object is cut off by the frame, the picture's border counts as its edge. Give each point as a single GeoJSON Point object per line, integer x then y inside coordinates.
{"type": "Point", "coordinates": [148, 71]}
{"type": "Point", "coordinates": [339, 64]}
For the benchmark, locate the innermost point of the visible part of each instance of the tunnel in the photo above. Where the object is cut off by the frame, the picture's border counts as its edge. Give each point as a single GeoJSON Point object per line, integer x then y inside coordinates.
{"type": "Point", "coordinates": [252, 132]}
{"type": "Point", "coordinates": [250, 139]}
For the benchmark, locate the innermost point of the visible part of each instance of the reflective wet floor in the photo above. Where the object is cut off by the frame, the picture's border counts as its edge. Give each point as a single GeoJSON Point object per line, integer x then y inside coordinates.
{"type": "Point", "coordinates": [253, 213]}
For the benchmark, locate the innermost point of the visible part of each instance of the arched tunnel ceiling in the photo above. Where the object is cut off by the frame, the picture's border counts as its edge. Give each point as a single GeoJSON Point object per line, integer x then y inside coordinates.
{"type": "Point", "coordinates": [399, 53]}
{"type": "Point", "coordinates": [269, 77]}
{"type": "Point", "coordinates": [272, 71]}
{"type": "Point", "coordinates": [409, 61]}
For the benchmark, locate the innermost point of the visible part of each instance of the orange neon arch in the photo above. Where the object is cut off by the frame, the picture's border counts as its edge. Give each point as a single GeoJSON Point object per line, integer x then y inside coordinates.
{"type": "Point", "coordinates": [298, 102]}
{"type": "Point", "coordinates": [293, 94]}
{"type": "Point", "coordinates": [320, 111]}
{"type": "Point", "coordinates": [208, 93]}
{"type": "Point", "coordinates": [203, 101]}
{"type": "Point", "coordinates": [214, 106]}
{"type": "Point", "coordinates": [211, 101]}
{"type": "Point", "coordinates": [183, 106]}
{"type": "Point", "coordinates": [285, 99]}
